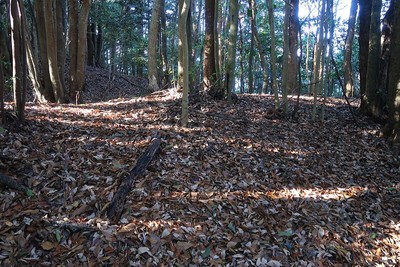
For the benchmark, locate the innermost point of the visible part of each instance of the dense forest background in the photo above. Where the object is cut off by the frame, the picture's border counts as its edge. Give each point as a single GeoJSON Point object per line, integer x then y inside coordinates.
{"type": "Point", "coordinates": [223, 47]}
{"type": "Point", "coordinates": [199, 133]}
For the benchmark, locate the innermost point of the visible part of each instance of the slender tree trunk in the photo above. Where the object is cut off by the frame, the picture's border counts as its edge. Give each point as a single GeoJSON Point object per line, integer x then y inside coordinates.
{"type": "Point", "coordinates": [217, 44]}
{"type": "Point", "coordinates": [164, 47]}
{"type": "Point", "coordinates": [60, 33]}
{"type": "Point", "coordinates": [91, 49]}
{"type": "Point", "coordinates": [308, 60]}
{"type": "Point", "coordinates": [99, 45]}
{"type": "Point", "coordinates": [2, 90]}
{"type": "Point", "coordinates": [292, 81]}
{"type": "Point", "coordinates": [286, 51]}
{"type": "Point", "coordinates": [348, 75]}
{"type": "Point", "coordinates": [183, 63]}
{"type": "Point", "coordinates": [316, 82]}
{"type": "Point", "coordinates": [274, 81]}
{"type": "Point", "coordinates": [241, 58]}
{"type": "Point", "coordinates": [252, 4]}
{"type": "Point", "coordinates": [251, 57]}
{"type": "Point", "coordinates": [152, 47]}
{"type": "Point", "coordinates": [231, 61]}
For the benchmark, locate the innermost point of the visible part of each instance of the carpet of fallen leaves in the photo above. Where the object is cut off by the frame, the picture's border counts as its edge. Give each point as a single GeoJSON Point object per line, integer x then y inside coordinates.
{"type": "Point", "coordinates": [240, 187]}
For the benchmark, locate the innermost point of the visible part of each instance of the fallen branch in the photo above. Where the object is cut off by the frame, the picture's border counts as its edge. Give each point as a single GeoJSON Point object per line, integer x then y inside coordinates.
{"type": "Point", "coordinates": [343, 89]}
{"type": "Point", "coordinates": [116, 206]}
{"type": "Point", "coordinates": [11, 183]}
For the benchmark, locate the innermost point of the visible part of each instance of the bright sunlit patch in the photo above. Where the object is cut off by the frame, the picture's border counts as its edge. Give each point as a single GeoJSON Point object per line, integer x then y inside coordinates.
{"type": "Point", "coordinates": [317, 193]}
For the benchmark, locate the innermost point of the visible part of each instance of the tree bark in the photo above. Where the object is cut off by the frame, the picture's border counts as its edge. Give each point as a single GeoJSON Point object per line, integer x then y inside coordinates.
{"type": "Point", "coordinates": [78, 41]}
{"type": "Point", "coordinates": [164, 48]}
{"type": "Point", "coordinates": [365, 7]}
{"type": "Point", "coordinates": [152, 47]}
{"type": "Point", "coordinates": [43, 73]}
{"type": "Point", "coordinates": [347, 67]}
{"type": "Point", "coordinates": [270, 6]}
{"type": "Point", "coordinates": [52, 50]}
{"type": "Point", "coordinates": [254, 31]}
{"type": "Point", "coordinates": [231, 61]}
{"type": "Point", "coordinates": [286, 51]}
{"type": "Point", "coordinates": [18, 57]}
{"type": "Point", "coordinates": [292, 81]}
{"type": "Point", "coordinates": [183, 63]}
{"type": "Point", "coordinates": [317, 59]}
{"type": "Point", "coordinates": [392, 129]}
{"type": "Point", "coordinates": [373, 96]}
{"type": "Point", "coordinates": [209, 63]}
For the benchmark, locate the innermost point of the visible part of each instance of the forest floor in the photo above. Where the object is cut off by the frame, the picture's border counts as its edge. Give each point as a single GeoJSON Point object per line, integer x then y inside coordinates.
{"type": "Point", "coordinates": [240, 187]}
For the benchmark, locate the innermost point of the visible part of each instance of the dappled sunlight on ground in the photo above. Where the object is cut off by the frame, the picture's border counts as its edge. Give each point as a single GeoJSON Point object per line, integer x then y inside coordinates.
{"type": "Point", "coordinates": [239, 186]}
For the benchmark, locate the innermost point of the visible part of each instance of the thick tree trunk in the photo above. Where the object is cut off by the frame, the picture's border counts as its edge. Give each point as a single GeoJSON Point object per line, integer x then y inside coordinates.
{"type": "Point", "coordinates": [209, 63]}
{"type": "Point", "coordinates": [373, 96]}
{"type": "Point", "coordinates": [392, 129]}
{"type": "Point", "coordinates": [152, 47]}
{"type": "Point", "coordinates": [363, 41]}
{"type": "Point", "coordinates": [44, 73]}
{"type": "Point", "coordinates": [52, 50]}
{"type": "Point", "coordinates": [18, 57]}
{"type": "Point", "coordinates": [231, 61]}
{"type": "Point", "coordinates": [274, 81]}
{"type": "Point", "coordinates": [183, 63]}
{"type": "Point", "coordinates": [348, 75]}
{"type": "Point", "coordinates": [78, 19]}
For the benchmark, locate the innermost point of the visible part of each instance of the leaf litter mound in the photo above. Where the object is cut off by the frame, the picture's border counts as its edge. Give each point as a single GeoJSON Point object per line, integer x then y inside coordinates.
{"type": "Point", "coordinates": [240, 187]}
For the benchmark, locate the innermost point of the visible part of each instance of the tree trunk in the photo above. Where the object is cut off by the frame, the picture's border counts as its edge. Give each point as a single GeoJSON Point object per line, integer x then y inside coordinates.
{"type": "Point", "coordinates": [373, 96]}
{"type": "Point", "coordinates": [99, 46]}
{"type": "Point", "coordinates": [2, 90]}
{"type": "Point", "coordinates": [274, 81]}
{"type": "Point", "coordinates": [91, 38]}
{"type": "Point", "coordinates": [209, 63]}
{"type": "Point", "coordinates": [60, 30]}
{"type": "Point", "coordinates": [164, 48]}
{"type": "Point", "coordinates": [5, 49]}
{"type": "Point", "coordinates": [48, 92]}
{"type": "Point", "coordinates": [231, 61]}
{"type": "Point", "coordinates": [152, 47]}
{"type": "Point", "coordinates": [78, 40]}
{"type": "Point", "coordinates": [286, 51]}
{"type": "Point", "coordinates": [363, 41]}
{"type": "Point", "coordinates": [393, 127]}
{"type": "Point", "coordinates": [254, 31]}
{"type": "Point", "coordinates": [348, 75]}
{"type": "Point", "coordinates": [52, 50]}
{"type": "Point", "coordinates": [292, 81]}
{"type": "Point", "coordinates": [18, 57]}
{"type": "Point", "coordinates": [183, 63]}
{"type": "Point", "coordinates": [317, 59]}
